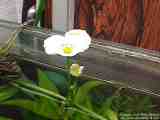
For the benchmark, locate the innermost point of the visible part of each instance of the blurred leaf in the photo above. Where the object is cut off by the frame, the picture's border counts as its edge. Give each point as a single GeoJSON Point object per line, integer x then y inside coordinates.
{"type": "Point", "coordinates": [43, 104]}
{"type": "Point", "coordinates": [106, 111]}
{"type": "Point", "coordinates": [22, 103]}
{"type": "Point", "coordinates": [46, 105]}
{"type": "Point", "coordinates": [87, 104]}
{"type": "Point", "coordinates": [84, 90]}
{"type": "Point", "coordinates": [5, 118]}
{"type": "Point", "coordinates": [111, 115]}
{"type": "Point", "coordinates": [144, 104]}
{"type": "Point", "coordinates": [58, 79]}
{"type": "Point", "coordinates": [90, 113]}
{"type": "Point", "coordinates": [33, 106]}
{"type": "Point", "coordinates": [7, 92]}
{"type": "Point", "coordinates": [49, 107]}
{"type": "Point", "coordinates": [34, 89]}
{"type": "Point", "coordinates": [46, 83]}
{"type": "Point", "coordinates": [107, 104]}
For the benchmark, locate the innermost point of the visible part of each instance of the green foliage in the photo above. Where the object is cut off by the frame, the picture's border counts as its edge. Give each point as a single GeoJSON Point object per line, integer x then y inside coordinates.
{"type": "Point", "coordinates": [4, 118]}
{"type": "Point", "coordinates": [110, 114]}
{"type": "Point", "coordinates": [59, 80]}
{"type": "Point", "coordinates": [47, 101]}
{"type": "Point", "coordinates": [132, 104]}
{"type": "Point", "coordinates": [40, 7]}
{"type": "Point", "coordinates": [45, 83]}
{"type": "Point", "coordinates": [84, 91]}
{"type": "Point", "coordinates": [48, 108]}
{"type": "Point", "coordinates": [7, 92]}
{"type": "Point", "coordinates": [40, 105]}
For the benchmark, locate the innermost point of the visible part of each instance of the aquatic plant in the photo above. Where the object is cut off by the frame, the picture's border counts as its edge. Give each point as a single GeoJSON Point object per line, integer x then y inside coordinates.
{"type": "Point", "coordinates": [9, 70]}
{"type": "Point", "coordinates": [40, 7]}
{"type": "Point", "coordinates": [74, 42]}
{"type": "Point", "coordinates": [47, 98]}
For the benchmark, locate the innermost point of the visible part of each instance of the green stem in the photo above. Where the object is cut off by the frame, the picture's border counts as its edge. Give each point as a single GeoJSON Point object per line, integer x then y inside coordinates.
{"type": "Point", "coordinates": [40, 7]}
{"type": "Point", "coordinates": [37, 93]}
{"type": "Point", "coordinates": [69, 78]}
{"type": "Point", "coordinates": [39, 89]}
{"type": "Point", "coordinates": [68, 64]}
{"type": "Point", "coordinates": [88, 112]}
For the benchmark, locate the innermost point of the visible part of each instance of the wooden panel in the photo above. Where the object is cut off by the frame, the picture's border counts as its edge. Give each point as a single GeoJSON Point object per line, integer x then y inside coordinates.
{"type": "Point", "coordinates": [48, 14]}
{"type": "Point", "coordinates": [132, 22]}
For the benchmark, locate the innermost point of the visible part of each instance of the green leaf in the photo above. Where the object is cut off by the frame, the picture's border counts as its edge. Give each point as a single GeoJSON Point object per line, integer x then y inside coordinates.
{"type": "Point", "coordinates": [40, 92]}
{"type": "Point", "coordinates": [58, 79]}
{"type": "Point", "coordinates": [32, 106]}
{"type": "Point", "coordinates": [90, 113]}
{"type": "Point", "coordinates": [22, 103]}
{"type": "Point", "coordinates": [5, 118]}
{"type": "Point", "coordinates": [111, 115]}
{"type": "Point", "coordinates": [88, 103]}
{"type": "Point", "coordinates": [46, 105]}
{"type": "Point", "coordinates": [107, 104]}
{"type": "Point", "coordinates": [49, 107]}
{"type": "Point", "coordinates": [7, 92]}
{"type": "Point", "coordinates": [37, 89]}
{"type": "Point", "coordinates": [106, 110]}
{"type": "Point", "coordinates": [84, 90]}
{"type": "Point", "coordinates": [45, 83]}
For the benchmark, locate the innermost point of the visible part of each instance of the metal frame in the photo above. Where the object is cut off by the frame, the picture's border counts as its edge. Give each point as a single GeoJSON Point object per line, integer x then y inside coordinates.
{"type": "Point", "coordinates": [65, 22]}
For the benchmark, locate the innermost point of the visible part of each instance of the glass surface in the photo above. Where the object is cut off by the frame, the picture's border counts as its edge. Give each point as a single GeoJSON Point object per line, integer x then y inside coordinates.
{"type": "Point", "coordinates": [130, 75]}
{"type": "Point", "coordinates": [120, 64]}
{"type": "Point", "coordinates": [6, 31]}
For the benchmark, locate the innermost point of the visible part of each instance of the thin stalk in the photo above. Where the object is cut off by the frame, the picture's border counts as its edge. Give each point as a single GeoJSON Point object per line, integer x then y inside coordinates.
{"type": "Point", "coordinates": [37, 93]}
{"type": "Point", "coordinates": [90, 113]}
{"type": "Point", "coordinates": [10, 43]}
{"type": "Point", "coordinates": [39, 89]}
{"type": "Point", "coordinates": [68, 64]}
{"type": "Point", "coordinates": [69, 96]}
{"type": "Point", "coordinates": [69, 77]}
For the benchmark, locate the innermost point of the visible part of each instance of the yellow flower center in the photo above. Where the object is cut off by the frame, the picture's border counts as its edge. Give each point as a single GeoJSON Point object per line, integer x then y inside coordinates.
{"type": "Point", "coordinates": [67, 50]}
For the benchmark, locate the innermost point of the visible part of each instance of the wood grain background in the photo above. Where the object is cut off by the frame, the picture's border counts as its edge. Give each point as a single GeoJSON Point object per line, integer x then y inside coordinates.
{"type": "Point", "coordinates": [132, 22]}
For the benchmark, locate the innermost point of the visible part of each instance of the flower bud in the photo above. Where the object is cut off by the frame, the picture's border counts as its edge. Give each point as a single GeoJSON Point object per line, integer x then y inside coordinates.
{"type": "Point", "coordinates": [76, 70]}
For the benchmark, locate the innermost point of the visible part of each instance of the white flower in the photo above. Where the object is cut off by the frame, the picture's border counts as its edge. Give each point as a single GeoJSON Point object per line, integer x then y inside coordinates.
{"type": "Point", "coordinates": [76, 70]}
{"type": "Point", "coordinates": [74, 42]}
{"type": "Point", "coordinates": [53, 43]}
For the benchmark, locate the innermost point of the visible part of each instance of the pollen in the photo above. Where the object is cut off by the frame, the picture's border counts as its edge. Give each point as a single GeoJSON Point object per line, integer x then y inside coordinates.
{"type": "Point", "coordinates": [67, 50]}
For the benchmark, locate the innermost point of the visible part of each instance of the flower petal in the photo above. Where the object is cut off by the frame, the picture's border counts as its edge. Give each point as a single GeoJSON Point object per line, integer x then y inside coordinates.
{"type": "Point", "coordinates": [78, 38]}
{"type": "Point", "coordinates": [75, 41]}
{"type": "Point", "coordinates": [53, 43]}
